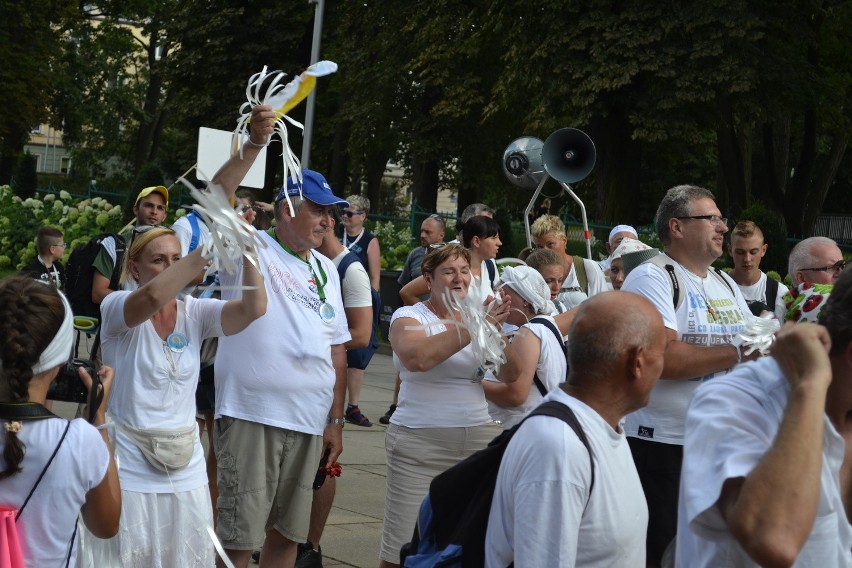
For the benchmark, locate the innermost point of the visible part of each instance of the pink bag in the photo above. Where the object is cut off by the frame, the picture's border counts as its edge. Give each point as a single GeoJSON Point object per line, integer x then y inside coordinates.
{"type": "Point", "coordinates": [10, 547]}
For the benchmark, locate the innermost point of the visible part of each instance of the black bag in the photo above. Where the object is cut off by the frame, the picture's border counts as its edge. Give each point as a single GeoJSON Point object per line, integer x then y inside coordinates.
{"type": "Point", "coordinates": [453, 518]}
{"type": "Point", "coordinates": [79, 273]}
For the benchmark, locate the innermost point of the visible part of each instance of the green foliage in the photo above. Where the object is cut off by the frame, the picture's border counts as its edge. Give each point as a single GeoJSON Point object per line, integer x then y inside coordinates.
{"type": "Point", "coordinates": [78, 219]}
{"type": "Point", "coordinates": [25, 176]}
{"type": "Point", "coordinates": [395, 243]}
{"type": "Point", "coordinates": [775, 275]}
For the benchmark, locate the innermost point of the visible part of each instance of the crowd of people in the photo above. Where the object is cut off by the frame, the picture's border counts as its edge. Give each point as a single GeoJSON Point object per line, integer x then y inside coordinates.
{"type": "Point", "coordinates": [696, 450]}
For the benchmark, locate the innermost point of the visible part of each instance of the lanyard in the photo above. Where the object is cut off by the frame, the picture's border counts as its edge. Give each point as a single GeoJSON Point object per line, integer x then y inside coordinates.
{"type": "Point", "coordinates": [319, 282]}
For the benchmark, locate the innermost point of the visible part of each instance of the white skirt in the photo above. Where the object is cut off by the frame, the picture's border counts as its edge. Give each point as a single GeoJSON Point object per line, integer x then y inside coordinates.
{"type": "Point", "coordinates": [157, 530]}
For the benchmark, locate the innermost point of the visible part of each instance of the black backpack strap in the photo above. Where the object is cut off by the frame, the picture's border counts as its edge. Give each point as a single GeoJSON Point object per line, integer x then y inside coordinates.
{"type": "Point", "coordinates": [348, 259]}
{"type": "Point", "coordinates": [721, 277]}
{"type": "Point", "coordinates": [119, 260]}
{"type": "Point", "coordinates": [563, 412]}
{"type": "Point", "coordinates": [771, 292]}
{"type": "Point", "coordinates": [41, 475]}
{"type": "Point", "coordinates": [491, 266]}
{"type": "Point", "coordinates": [549, 325]}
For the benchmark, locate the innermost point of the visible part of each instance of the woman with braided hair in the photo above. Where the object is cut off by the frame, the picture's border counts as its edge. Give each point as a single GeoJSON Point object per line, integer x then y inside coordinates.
{"type": "Point", "coordinates": [52, 469]}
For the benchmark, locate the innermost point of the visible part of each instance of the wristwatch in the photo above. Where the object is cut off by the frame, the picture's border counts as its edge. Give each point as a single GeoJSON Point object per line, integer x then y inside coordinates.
{"type": "Point", "coordinates": [336, 421]}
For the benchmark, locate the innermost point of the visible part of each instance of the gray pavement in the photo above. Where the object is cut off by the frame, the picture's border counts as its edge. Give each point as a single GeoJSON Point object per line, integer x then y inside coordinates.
{"type": "Point", "coordinates": [354, 529]}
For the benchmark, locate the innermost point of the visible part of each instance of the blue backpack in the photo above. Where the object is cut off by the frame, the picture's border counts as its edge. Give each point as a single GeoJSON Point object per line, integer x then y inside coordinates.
{"type": "Point", "coordinates": [453, 519]}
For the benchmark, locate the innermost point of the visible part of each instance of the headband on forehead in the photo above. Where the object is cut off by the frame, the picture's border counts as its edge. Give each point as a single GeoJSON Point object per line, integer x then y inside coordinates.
{"type": "Point", "coordinates": [59, 349]}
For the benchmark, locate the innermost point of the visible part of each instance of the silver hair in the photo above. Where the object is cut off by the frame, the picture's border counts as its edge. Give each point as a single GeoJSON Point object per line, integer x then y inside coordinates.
{"type": "Point", "coordinates": [802, 254]}
{"type": "Point", "coordinates": [677, 203]}
{"type": "Point", "coordinates": [296, 200]}
{"type": "Point", "coordinates": [475, 209]}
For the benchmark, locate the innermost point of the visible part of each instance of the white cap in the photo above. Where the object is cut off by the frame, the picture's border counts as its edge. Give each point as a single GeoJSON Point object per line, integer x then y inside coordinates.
{"type": "Point", "coordinates": [622, 229]}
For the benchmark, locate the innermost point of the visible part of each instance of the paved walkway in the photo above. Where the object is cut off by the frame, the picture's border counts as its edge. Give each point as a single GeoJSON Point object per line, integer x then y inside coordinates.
{"type": "Point", "coordinates": [354, 528]}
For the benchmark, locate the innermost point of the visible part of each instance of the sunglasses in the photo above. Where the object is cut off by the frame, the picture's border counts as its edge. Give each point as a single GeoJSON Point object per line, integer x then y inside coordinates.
{"type": "Point", "coordinates": [351, 214]}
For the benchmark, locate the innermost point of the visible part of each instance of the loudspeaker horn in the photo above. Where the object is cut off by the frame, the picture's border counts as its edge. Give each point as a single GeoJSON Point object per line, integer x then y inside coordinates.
{"type": "Point", "coordinates": [522, 162]}
{"type": "Point", "coordinates": [568, 155]}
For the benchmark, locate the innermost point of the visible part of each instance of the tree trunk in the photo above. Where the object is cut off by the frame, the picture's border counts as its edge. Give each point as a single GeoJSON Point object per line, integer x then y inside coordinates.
{"type": "Point", "coordinates": [617, 171]}
{"type": "Point", "coordinates": [827, 170]}
{"type": "Point", "coordinates": [732, 184]}
{"type": "Point", "coordinates": [425, 178]}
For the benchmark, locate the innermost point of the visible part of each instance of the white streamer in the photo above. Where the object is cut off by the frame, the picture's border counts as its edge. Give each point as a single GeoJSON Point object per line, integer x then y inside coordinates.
{"type": "Point", "coordinates": [231, 236]}
{"type": "Point", "coordinates": [486, 341]}
{"type": "Point", "coordinates": [758, 335]}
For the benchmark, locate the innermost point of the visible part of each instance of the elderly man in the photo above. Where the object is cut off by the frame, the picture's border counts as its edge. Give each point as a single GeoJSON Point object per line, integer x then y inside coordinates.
{"type": "Point", "coordinates": [583, 277]}
{"type": "Point", "coordinates": [764, 480]}
{"type": "Point", "coordinates": [545, 510]}
{"type": "Point", "coordinates": [702, 309]}
{"type": "Point", "coordinates": [814, 266]}
{"type": "Point", "coordinates": [150, 209]}
{"type": "Point", "coordinates": [431, 232]}
{"type": "Point", "coordinates": [281, 383]}
{"type": "Point", "coordinates": [616, 235]}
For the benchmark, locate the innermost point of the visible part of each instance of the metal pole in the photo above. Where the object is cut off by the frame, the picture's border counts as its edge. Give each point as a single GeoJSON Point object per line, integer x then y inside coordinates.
{"type": "Point", "coordinates": [528, 210]}
{"type": "Point", "coordinates": [586, 234]}
{"type": "Point", "coordinates": [309, 111]}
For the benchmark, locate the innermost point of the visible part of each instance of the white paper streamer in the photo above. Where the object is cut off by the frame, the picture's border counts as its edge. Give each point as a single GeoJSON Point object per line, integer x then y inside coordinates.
{"type": "Point", "coordinates": [486, 341]}
{"type": "Point", "coordinates": [276, 96]}
{"type": "Point", "coordinates": [231, 236]}
{"type": "Point", "coordinates": [758, 335]}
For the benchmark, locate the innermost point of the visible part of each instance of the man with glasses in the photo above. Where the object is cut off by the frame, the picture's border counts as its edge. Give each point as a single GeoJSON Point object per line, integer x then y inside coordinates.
{"type": "Point", "coordinates": [815, 264]}
{"type": "Point", "coordinates": [701, 318]}
{"type": "Point", "coordinates": [150, 209]}
{"type": "Point", "coordinates": [46, 266]}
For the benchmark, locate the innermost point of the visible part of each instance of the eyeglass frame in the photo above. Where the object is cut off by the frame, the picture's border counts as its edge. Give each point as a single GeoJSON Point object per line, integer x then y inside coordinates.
{"type": "Point", "coordinates": [63, 245]}
{"type": "Point", "coordinates": [837, 267]}
{"type": "Point", "coordinates": [715, 220]}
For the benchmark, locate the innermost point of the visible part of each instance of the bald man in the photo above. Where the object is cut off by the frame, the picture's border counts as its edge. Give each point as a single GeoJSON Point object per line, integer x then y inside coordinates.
{"type": "Point", "coordinates": [544, 500]}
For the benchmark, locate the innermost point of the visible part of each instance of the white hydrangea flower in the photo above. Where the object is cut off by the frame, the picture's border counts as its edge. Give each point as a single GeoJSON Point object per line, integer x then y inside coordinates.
{"type": "Point", "coordinates": [64, 195]}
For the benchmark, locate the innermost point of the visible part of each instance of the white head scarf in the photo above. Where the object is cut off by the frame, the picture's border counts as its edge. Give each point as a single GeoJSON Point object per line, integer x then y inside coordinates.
{"type": "Point", "coordinates": [628, 245]}
{"type": "Point", "coordinates": [530, 285]}
{"type": "Point", "coordinates": [59, 349]}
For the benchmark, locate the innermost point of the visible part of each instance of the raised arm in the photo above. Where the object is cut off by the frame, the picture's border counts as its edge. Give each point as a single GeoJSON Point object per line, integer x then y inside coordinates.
{"type": "Point", "coordinates": [235, 169]}
{"type": "Point", "coordinates": [772, 510]}
{"type": "Point", "coordinates": [163, 288]}
{"type": "Point", "coordinates": [238, 314]}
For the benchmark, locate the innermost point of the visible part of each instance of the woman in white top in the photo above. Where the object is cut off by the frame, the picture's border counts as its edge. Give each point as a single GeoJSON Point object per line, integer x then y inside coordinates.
{"type": "Point", "coordinates": [154, 341]}
{"type": "Point", "coordinates": [481, 237]}
{"type": "Point", "coordinates": [442, 416]}
{"type": "Point", "coordinates": [36, 337]}
{"type": "Point", "coordinates": [540, 351]}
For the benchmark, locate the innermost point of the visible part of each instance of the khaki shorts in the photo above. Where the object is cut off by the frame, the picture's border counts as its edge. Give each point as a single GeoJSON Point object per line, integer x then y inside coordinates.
{"type": "Point", "coordinates": [265, 479]}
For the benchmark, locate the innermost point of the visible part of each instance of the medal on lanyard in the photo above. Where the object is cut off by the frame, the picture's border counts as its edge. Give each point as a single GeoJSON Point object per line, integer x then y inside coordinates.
{"type": "Point", "coordinates": [177, 342]}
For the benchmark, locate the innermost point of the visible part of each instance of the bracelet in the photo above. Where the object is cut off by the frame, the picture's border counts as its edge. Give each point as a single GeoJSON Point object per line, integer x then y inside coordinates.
{"type": "Point", "coordinates": [249, 140]}
{"type": "Point", "coordinates": [336, 421]}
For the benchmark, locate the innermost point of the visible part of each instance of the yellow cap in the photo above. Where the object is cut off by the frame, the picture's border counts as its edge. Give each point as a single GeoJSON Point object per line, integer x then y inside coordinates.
{"type": "Point", "coordinates": [154, 189]}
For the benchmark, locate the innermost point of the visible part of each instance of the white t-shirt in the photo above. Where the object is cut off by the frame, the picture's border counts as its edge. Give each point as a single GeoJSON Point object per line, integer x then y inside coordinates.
{"type": "Point", "coordinates": [571, 295]}
{"type": "Point", "coordinates": [757, 293]}
{"type": "Point", "coordinates": [445, 396]}
{"type": "Point", "coordinates": [278, 371]}
{"type": "Point", "coordinates": [732, 422]}
{"type": "Point", "coordinates": [154, 387]}
{"type": "Point", "coordinates": [356, 285]}
{"type": "Point", "coordinates": [663, 418]}
{"type": "Point", "coordinates": [480, 286]}
{"type": "Point", "coordinates": [47, 522]}
{"type": "Point", "coordinates": [551, 369]}
{"type": "Point", "coordinates": [541, 513]}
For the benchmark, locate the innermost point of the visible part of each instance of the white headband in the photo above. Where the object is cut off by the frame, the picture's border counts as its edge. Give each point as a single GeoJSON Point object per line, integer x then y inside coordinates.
{"type": "Point", "coordinates": [622, 229]}
{"type": "Point", "coordinates": [60, 346]}
{"type": "Point", "coordinates": [530, 285]}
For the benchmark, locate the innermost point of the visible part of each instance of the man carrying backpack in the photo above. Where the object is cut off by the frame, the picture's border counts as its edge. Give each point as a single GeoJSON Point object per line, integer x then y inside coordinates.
{"type": "Point", "coordinates": [563, 501]}
{"type": "Point", "coordinates": [150, 209]}
{"type": "Point", "coordinates": [703, 310]}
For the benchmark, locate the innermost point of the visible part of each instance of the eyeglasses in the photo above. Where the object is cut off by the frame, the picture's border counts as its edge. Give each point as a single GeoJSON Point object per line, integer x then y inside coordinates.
{"type": "Point", "coordinates": [715, 220]}
{"type": "Point", "coordinates": [836, 268]}
{"type": "Point", "coordinates": [351, 214]}
{"type": "Point", "coordinates": [61, 245]}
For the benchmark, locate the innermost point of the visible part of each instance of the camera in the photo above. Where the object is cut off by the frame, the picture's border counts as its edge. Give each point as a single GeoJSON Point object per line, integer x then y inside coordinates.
{"type": "Point", "coordinates": [67, 386]}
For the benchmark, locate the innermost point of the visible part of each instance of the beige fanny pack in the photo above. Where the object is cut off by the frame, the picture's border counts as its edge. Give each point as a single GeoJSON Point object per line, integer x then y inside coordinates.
{"type": "Point", "coordinates": [166, 449]}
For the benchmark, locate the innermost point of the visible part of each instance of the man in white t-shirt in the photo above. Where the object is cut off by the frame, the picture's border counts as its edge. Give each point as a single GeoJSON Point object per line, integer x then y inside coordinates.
{"type": "Point", "coordinates": [280, 383]}
{"type": "Point", "coordinates": [747, 248]}
{"type": "Point", "coordinates": [764, 481]}
{"type": "Point", "coordinates": [545, 510]}
{"type": "Point", "coordinates": [580, 282]}
{"type": "Point", "coordinates": [702, 309]}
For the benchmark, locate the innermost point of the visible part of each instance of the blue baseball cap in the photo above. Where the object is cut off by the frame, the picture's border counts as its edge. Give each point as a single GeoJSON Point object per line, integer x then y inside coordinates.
{"type": "Point", "coordinates": [314, 188]}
